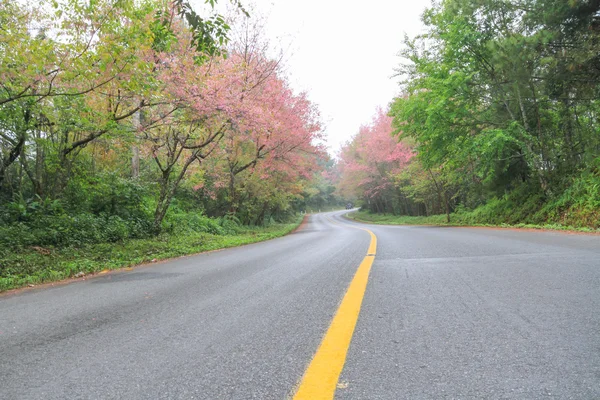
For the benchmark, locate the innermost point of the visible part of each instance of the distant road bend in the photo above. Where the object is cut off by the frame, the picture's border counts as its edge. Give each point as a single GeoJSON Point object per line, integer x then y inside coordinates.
{"type": "Point", "coordinates": [335, 309]}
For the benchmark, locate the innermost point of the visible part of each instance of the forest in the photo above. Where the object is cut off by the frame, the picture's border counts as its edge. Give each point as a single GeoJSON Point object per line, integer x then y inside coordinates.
{"type": "Point", "coordinates": [146, 125]}
{"type": "Point", "coordinates": [497, 121]}
{"type": "Point", "coordinates": [132, 131]}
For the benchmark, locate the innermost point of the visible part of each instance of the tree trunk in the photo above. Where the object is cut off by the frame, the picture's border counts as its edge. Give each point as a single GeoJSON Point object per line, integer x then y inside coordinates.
{"type": "Point", "coordinates": [570, 148]}
{"type": "Point", "coordinates": [12, 156]}
{"type": "Point", "coordinates": [447, 206]}
{"type": "Point", "coordinates": [539, 166]}
{"type": "Point", "coordinates": [39, 167]}
{"type": "Point", "coordinates": [135, 150]}
{"type": "Point", "coordinates": [168, 189]}
{"type": "Point", "coordinates": [442, 196]}
{"type": "Point", "coordinates": [163, 201]}
{"type": "Point", "coordinates": [32, 175]}
{"type": "Point", "coordinates": [135, 161]}
{"type": "Point", "coordinates": [232, 205]}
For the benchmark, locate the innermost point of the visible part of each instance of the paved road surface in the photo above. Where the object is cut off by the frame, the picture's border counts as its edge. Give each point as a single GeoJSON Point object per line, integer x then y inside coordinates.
{"type": "Point", "coordinates": [448, 313]}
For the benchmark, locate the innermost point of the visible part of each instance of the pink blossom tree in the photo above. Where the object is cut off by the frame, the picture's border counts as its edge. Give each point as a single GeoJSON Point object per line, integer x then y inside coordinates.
{"type": "Point", "coordinates": [227, 117]}
{"type": "Point", "coordinates": [275, 136]}
{"type": "Point", "coordinates": [370, 163]}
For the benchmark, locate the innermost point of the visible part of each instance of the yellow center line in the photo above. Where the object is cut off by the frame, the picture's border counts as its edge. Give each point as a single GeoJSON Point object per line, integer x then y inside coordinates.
{"type": "Point", "coordinates": [321, 377]}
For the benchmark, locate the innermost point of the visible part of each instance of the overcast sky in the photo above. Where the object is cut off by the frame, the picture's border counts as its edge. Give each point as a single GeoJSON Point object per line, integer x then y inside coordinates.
{"type": "Point", "coordinates": [343, 53]}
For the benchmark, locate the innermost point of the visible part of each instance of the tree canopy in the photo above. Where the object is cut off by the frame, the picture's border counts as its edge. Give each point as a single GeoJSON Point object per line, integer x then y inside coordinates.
{"type": "Point", "coordinates": [500, 102]}
{"type": "Point", "coordinates": [129, 109]}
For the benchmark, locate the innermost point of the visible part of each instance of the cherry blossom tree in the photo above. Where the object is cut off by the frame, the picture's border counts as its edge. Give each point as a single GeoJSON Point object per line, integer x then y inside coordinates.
{"type": "Point", "coordinates": [370, 162]}
{"type": "Point", "coordinates": [228, 117]}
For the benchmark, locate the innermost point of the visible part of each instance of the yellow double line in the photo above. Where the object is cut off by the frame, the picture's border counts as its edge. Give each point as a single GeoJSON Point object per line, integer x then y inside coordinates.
{"type": "Point", "coordinates": [321, 377]}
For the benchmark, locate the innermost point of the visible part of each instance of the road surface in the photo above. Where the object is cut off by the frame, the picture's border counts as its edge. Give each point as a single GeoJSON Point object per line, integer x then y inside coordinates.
{"type": "Point", "coordinates": [448, 313]}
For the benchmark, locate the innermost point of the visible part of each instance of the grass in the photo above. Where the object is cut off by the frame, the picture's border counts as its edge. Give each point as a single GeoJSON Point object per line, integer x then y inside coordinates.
{"type": "Point", "coordinates": [36, 265]}
{"type": "Point", "coordinates": [457, 219]}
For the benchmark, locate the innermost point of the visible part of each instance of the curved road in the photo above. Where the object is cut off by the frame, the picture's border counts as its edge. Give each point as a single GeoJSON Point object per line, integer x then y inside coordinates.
{"type": "Point", "coordinates": [448, 313]}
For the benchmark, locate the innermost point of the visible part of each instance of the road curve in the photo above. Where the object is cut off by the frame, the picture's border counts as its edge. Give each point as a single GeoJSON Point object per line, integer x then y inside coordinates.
{"type": "Point", "coordinates": [447, 313]}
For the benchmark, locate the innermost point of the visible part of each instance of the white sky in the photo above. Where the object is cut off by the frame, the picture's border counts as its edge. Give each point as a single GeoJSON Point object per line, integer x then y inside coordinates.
{"type": "Point", "coordinates": [343, 53]}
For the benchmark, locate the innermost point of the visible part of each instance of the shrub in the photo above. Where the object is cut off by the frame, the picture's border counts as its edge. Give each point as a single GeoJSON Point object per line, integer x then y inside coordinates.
{"type": "Point", "coordinates": [579, 204]}
{"type": "Point", "coordinates": [107, 194]}
{"type": "Point", "coordinates": [230, 224]}
{"type": "Point", "coordinates": [77, 230]}
{"type": "Point", "coordinates": [192, 222]}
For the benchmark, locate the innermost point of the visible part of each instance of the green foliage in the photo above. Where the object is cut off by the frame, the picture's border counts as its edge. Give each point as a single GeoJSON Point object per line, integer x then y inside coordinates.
{"type": "Point", "coordinates": [500, 100]}
{"type": "Point", "coordinates": [577, 207]}
{"type": "Point", "coordinates": [71, 230]}
{"type": "Point", "coordinates": [27, 210]}
{"type": "Point", "coordinates": [209, 34]}
{"type": "Point", "coordinates": [579, 204]}
{"type": "Point", "coordinates": [183, 223]}
{"type": "Point", "coordinates": [230, 224]}
{"type": "Point", "coordinates": [105, 208]}
{"type": "Point", "coordinates": [107, 193]}
{"type": "Point", "coordinates": [30, 266]}
{"type": "Point", "coordinates": [514, 208]}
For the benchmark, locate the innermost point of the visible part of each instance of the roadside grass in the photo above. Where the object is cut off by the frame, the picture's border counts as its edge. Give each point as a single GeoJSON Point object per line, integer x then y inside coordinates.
{"type": "Point", "coordinates": [36, 265]}
{"type": "Point", "coordinates": [457, 219]}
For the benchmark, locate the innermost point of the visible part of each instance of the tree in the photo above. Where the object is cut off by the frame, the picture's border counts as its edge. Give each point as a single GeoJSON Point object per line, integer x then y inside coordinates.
{"type": "Point", "coordinates": [100, 58]}
{"type": "Point", "coordinates": [370, 162]}
{"type": "Point", "coordinates": [500, 90]}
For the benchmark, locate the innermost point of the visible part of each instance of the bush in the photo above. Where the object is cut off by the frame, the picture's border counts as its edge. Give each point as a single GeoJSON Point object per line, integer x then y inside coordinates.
{"type": "Point", "coordinates": [77, 230]}
{"type": "Point", "coordinates": [23, 210]}
{"type": "Point", "coordinates": [106, 194]}
{"type": "Point", "coordinates": [579, 204]}
{"type": "Point", "coordinates": [192, 222]}
{"type": "Point", "coordinates": [230, 224]}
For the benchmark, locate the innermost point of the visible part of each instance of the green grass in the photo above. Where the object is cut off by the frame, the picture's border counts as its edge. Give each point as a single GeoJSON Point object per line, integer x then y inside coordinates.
{"type": "Point", "coordinates": [35, 265]}
{"type": "Point", "coordinates": [457, 219]}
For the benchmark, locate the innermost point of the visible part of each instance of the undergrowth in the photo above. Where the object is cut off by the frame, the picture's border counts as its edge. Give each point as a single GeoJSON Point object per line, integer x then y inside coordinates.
{"type": "Point", "coordinates": [24, 265]}
{"type": "Point", "coordinates": [575, 208]}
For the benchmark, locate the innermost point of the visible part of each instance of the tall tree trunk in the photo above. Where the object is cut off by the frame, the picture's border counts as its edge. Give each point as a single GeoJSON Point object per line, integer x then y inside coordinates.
{"type": "Point", "coordinates": [442, 196]}
{"type": "Point", "coordinates": [568, 128]}
{"type": "Point", "coordinates": [163, 201]}
{"type": "Point", "coordinates": [31, 174]}
{"type": "Point", "coordinates": [135, 150]}
{"type": "Point", "coordinates": [538, 161]}
{"type": "Point", "coordinates": [11, 157]}
{"type": "Point", "coordinates": [232, 200]}
{"type": "Point", "coordinates": [168, 187]}
{"type": "Point", "coordinates": [39, 166]}
{"type": "Point", "coordinates": [135, 161]}
{"type": "Point", "coordinates": [447, 203]}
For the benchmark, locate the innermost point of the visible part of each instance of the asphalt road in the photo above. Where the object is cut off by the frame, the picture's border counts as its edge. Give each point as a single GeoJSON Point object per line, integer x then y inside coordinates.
{"type": "Point", "coordinates": [448, 313]}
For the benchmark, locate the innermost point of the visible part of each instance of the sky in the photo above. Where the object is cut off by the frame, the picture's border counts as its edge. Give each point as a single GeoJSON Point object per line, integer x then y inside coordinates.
{"type": "Point", "coordinates": [342, 53]}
